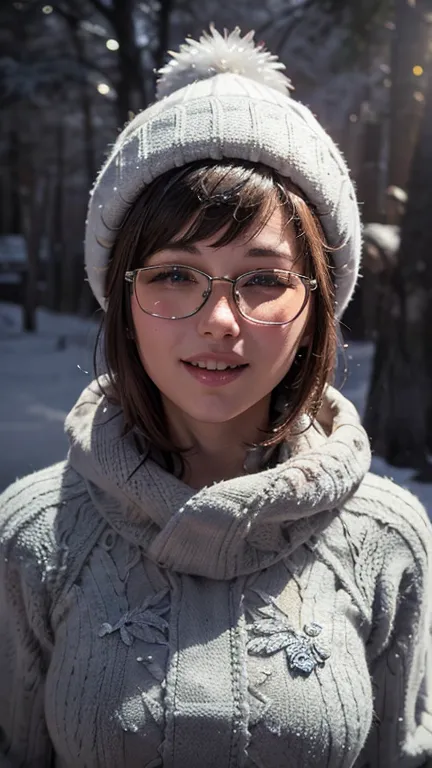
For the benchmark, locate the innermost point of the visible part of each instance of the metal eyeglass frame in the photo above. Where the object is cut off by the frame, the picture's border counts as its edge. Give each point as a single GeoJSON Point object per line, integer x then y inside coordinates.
{"type": "Point", "coordinates": [309, 282]}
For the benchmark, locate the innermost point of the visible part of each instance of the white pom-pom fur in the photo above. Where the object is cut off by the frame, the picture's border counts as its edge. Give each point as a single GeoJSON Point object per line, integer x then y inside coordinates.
{"type": "Point", "coordinates": [213, 54]}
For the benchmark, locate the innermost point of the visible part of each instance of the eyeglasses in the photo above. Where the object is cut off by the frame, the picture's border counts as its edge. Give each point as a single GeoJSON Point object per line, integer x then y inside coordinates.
{"type": "Point", "coordinates": [175, 291]}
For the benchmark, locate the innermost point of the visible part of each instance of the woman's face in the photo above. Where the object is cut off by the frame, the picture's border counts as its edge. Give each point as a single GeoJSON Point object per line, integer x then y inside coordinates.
{"type": "Point", "coordinates": [219, 334]}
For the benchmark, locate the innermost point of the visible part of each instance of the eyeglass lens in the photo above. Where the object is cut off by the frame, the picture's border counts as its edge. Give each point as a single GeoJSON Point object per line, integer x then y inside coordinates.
{"type": "Point", "coordinates": [174, 292]}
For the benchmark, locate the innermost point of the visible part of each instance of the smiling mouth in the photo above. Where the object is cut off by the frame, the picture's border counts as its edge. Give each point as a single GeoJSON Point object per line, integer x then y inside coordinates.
{"type": "Point", "coordinates": [214, 365]}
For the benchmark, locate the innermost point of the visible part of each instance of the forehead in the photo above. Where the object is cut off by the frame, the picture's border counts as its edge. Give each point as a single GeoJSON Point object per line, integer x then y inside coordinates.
{"type": "Point", "coordinates": [274, 246]}
{"type": "Point", "coordinates": [276, 231]}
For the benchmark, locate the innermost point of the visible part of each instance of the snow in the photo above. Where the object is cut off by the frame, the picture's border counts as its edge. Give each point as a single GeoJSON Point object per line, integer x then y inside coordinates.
{"type": "Point", "coordinates": [358, 360]}
{"type": "Point", "coordinates": [42, 375]}
{"type": "Point", "coordinates": [12, 249]}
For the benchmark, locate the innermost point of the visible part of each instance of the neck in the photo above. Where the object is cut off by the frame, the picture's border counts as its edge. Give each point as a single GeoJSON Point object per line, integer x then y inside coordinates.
{"type": "Point", "coordinates": [216, 451]}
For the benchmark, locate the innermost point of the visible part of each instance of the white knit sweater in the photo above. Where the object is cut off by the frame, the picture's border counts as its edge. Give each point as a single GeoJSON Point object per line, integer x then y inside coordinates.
{"type": "Point", "coordinates": [278, 620]}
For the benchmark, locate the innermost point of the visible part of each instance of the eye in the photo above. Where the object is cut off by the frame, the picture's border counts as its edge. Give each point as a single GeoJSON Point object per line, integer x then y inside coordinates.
{"type": "Point", "coordinates": [270, 280]}
{"type": "Point", "coordinates": [170, 275]}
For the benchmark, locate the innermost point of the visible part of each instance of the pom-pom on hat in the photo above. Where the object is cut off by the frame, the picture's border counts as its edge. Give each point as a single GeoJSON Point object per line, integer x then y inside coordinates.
{"type": "Point", "coordinates": [223, 97]}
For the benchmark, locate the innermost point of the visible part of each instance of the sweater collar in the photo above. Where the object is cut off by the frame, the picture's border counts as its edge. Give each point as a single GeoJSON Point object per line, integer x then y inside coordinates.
{"type": "Point", "coordinates": [231, 528]}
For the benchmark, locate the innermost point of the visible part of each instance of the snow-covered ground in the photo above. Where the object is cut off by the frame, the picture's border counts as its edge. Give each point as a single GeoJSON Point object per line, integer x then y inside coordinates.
{"type": "Point", "coordinates": [42, 374]}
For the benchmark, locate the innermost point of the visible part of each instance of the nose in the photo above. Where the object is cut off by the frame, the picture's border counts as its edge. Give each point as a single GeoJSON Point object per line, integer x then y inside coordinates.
{"type": "Point", "coordinates": [219, 316]}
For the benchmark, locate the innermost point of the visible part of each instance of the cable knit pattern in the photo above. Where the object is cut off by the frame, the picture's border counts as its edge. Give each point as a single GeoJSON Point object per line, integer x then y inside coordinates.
{"type": "Point", "coordinates": [278, 619]}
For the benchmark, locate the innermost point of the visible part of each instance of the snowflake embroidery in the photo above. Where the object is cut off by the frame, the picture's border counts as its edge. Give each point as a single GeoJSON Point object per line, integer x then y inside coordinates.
{"type": "Point", "coordinates": [271, 632]}
{"type": "Point", "coordinates": [144, 623]}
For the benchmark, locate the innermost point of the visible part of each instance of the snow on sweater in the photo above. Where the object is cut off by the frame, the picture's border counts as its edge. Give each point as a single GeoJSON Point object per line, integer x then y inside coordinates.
{"type": "Point", "coordinates": [277, 620]}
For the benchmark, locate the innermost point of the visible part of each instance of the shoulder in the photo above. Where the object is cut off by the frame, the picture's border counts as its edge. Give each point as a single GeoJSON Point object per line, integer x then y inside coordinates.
{"type": "Point", "coordinates": [392, 561]}
{"type": "Point", "coordinates": [28, 506]}
{"type": "Point", "coordinates": [37, 515]}
{"type": "Point", "coordinates": [394, 511]}
{"type": "Point", "coordinates": [380, 546]}
{"type": "Point", "coordinates": [383, 538]}
{"type": "Point", "coordinates": [381, 531]}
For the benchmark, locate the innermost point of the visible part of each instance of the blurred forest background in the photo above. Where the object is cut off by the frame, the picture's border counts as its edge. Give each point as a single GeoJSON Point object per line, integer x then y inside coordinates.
{"type": "Point", "coordinates": [73, 72]}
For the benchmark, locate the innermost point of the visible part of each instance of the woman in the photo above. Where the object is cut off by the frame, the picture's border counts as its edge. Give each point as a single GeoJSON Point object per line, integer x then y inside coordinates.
{"type": "Point", "coordinates": [212, 578]}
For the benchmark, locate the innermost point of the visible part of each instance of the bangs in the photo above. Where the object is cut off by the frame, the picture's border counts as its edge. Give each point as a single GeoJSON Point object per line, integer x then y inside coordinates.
{"type": "Point", "coordinates": [204, 201]}
{"type": "Point", "coordinates": [232, 201]}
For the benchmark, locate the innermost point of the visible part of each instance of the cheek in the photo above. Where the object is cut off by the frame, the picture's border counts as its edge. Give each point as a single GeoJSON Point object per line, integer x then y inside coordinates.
{"type": "Point", "coordinates": [153, 336]}
{"type": "Point", "coordinates": [278, 347]}
{"type": "Point", "coordinates": [158, 342]}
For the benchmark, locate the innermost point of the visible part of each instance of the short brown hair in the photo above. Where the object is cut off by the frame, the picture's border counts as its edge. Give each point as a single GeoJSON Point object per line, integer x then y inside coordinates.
{"type": "Point", "coordinates": [223, 200]}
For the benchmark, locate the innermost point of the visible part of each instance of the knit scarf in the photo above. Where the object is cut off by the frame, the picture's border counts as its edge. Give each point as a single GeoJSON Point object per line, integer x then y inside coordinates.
{"type": "Point", "coordinates": [234, 527]}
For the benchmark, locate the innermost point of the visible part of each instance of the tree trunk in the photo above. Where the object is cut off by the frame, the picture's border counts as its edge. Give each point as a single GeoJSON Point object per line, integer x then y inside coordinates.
{"type": "Point", "coordinates": [56, 229]}
{"type": "Point", "coordinates": [11, 208]}
{"type": "Point", "coordinates": [368, 184]}
{"type": "Point", "coordinates": [37, 205]}
{"type": "Point", "coordinates": [131, 92]}
{"type": "Point", "coordinates": [163, 30]}
{"type": "Point", "coordinates": [358, 316]}
{"type": "Point", "coordinates": [399, 407]}
{"type": "Point", "coordinates": [84, 301]}
{"type": "Point", "coordinates": [409, 49]}
{"type": "Point", "coordinates": [86, 106]}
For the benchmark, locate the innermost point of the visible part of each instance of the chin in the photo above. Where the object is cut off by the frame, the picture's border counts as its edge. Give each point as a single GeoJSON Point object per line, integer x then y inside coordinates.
{"type": "Point", "coordinates": [211, 416]}
{"type": "Point", "coordinates": [212, 413]}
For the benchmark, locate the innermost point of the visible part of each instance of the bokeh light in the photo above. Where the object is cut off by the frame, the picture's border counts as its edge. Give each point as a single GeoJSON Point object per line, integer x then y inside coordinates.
{"type": "Point", "coordinates": [419, 96]}
{"type": "Point", "coordinates": [418, 70]}
{"type": "Point", "coordinates": [112, 45]}
{"type": "Point", "coordinates": [103, 88]}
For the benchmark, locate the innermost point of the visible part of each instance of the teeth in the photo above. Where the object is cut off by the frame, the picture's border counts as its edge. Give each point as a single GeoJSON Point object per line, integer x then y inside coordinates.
{"type": "Point", "coordinates": [213, 365]}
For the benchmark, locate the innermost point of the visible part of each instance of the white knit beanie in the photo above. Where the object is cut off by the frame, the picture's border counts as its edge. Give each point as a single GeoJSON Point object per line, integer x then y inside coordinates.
{"type": "Point", "coordinates": [223, 97]}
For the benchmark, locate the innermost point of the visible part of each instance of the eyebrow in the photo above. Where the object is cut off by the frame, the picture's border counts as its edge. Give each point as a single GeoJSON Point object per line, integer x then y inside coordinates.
{"type": "Point", "coordinates": [267, 251]}
{"type": "Point", "coordinates": [180, 247]}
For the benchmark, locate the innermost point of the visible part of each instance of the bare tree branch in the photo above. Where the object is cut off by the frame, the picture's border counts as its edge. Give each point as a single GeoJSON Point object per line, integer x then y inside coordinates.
{"type": "Point", "coordinates": [103, 10]}
{"type": "Point", "coordinates": [73, 21]}
{"type": "Point", "coordinates": [65, 11]}
{"type": "Point", "coordinates": [66, 14]}
{"type": "Point", "coordinates": [293, 15]}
